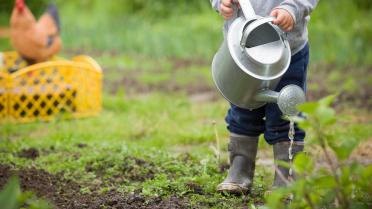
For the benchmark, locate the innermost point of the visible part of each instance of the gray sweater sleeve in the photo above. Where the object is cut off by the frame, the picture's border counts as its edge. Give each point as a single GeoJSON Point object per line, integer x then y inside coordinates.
{"type": "Point", "coordinates": [216, 4]}
{"type": "Point", "coordinates": [299, 9]}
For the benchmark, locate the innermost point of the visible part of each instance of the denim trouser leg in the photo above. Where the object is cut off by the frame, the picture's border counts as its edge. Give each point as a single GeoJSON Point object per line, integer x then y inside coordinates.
{"type": "Point", "coordinates": [252, 123]}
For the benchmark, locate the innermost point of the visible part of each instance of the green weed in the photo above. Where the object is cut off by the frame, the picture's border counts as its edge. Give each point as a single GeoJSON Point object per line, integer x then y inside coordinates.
{"type": "Point", "coordinates": [11, 197]}
{"type": "Point", "coordinates": [340, 183]}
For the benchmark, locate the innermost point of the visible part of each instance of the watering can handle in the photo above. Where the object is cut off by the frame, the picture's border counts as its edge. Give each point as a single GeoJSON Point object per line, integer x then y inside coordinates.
{"type": "Point", "coordinates": [253, 26]}
{"type": "Point", "coordinates": [247, 8]}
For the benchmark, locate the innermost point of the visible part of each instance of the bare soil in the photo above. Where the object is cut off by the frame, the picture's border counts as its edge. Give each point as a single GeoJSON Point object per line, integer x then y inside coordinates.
{"type": "Point", "coordinates": [204, 91]}
{"type": "Point", "coordinates": [64, 193]}
{"type": "Point", "coordinates": [30, 153]}
{"type": "Point", "coordinates": [131, 169]}
{"type": "Point", "coordinates": [360, 96]}
{"type": "Point", "coordinates": [363, 153]}
{"type": "Point", "coordinates": [201, 90]}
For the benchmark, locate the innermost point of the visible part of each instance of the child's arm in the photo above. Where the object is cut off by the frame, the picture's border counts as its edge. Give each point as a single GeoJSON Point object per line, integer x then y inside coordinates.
{"type": "Point", "coordinates": [291, 10]}
{"type": "Point", "coordinates": [298, 9]}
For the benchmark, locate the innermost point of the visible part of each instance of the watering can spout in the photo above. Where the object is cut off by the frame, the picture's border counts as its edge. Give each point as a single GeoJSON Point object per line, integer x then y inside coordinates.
{"type": "Point", "coordinates": [287, 99]}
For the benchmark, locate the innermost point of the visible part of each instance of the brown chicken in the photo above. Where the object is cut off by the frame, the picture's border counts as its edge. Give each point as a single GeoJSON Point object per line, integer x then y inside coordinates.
{"type": "Point", "coordinates": [35, 41]}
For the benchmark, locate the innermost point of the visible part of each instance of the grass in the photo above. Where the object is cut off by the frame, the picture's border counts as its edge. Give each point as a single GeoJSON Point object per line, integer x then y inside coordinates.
{"type": "Point", "coordinates": [155, 142]}
{"type": "Point", "coordinates": [168, 133]}
{"type": "Point", "coordinates": [334, 38]}
{"type": "Point", "coordinates": [149, 128]}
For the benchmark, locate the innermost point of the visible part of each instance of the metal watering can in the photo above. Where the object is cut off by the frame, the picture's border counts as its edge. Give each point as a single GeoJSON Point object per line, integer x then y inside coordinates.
{"type": "Point", "coordinates": [251, 61]}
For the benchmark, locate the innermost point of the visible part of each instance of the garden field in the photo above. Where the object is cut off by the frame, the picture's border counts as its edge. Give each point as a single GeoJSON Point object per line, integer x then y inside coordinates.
{"type": "Point", "coordinates": [161, 139]}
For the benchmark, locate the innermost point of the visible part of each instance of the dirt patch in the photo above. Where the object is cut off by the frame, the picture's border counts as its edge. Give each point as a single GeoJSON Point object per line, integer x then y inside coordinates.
{"type": "Point", "coordinates": [94, 53]}
{"type": "Point", "coordinates": [359, 96]}
{"type": "Point", "coordinates": [81, 145]}
{"type": "Point", "coordinates": [223, 167]}
{"type": "Point", "coordinates": [136, 169]}
{"type": "Point", "coordinates": [363, 153]}
{"type": "Point", "coordinates": [63, 193]}
{"type": "Point", "coordinates": [177, 63]}
{"type": "Point", "coordinates": [131, 169]}
{"type": "Point", "coordinates": [356, 91]}
{"type": "Point", "coordinates": [186, 63]}
{"type": "Point", "coordinates": [30, 153]}
{"type": "Point", "coordinates": [195, 188]}
{"type": "Point", "coordinates": [133, 86]}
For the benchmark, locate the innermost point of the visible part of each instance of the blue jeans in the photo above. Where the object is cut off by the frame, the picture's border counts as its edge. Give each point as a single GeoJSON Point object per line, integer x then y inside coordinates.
{"type": "Point", "coordinates": [268, 119]}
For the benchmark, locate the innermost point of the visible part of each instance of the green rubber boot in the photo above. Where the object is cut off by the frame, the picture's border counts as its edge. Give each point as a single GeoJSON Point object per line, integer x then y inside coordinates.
{"type": "Point", "coordinates": [282, 175]}
{"type": "Point", "coordinates": [243, 150]}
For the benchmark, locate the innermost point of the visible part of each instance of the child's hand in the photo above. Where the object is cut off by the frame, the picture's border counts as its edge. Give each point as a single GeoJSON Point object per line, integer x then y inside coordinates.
{"type": "Point", "coordinates": [226, 9]}
{"type": "Point", "coordinates": [283, 19]}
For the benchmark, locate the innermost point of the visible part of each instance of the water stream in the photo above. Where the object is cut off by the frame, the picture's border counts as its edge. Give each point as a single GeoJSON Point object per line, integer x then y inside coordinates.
{"type": "Point", "coordinates": [291, 135]}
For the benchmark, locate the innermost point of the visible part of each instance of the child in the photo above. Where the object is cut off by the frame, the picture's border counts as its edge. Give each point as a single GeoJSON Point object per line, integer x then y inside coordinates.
{"type": "Point", "coordinates": [246, 125]}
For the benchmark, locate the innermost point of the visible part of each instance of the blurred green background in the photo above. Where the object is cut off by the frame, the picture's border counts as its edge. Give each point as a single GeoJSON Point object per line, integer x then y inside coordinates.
{"type": "Point", "coordinates": [340, 30]}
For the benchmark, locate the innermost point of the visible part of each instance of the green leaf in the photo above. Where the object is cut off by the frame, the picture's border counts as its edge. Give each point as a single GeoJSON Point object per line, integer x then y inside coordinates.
{"type": "Point", "coordinates": [325, 182]}
{"type": "Point", "coordinates": [326, 116]}
{"type": "Point", "coordinates": [343, 147]}
{"type": "Point", "coordinates": [274, 200]}
{"type": "Point", "coordinates": [328, 100]}
{"type": "Point", "coordinates": [305, 124]}
{"type": "Point", "coordinates": [367, 172]}
{"type": "Point", "coordinates": [346, 179]}
{"type": "Point", "coordinates": [308, 107]}
{"type": "Point", "coordinates": [8, 196]}
{"type": "Point", "coordinates": [303, 164]}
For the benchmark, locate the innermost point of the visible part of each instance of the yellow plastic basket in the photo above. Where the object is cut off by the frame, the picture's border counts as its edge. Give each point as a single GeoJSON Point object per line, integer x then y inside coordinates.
{"type": "Point", "coordinates": [44, 91]}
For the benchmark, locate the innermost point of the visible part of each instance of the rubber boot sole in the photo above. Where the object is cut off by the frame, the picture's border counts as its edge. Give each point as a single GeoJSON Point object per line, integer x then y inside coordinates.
{"type": "Point", "coordinates": [232, 188]}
